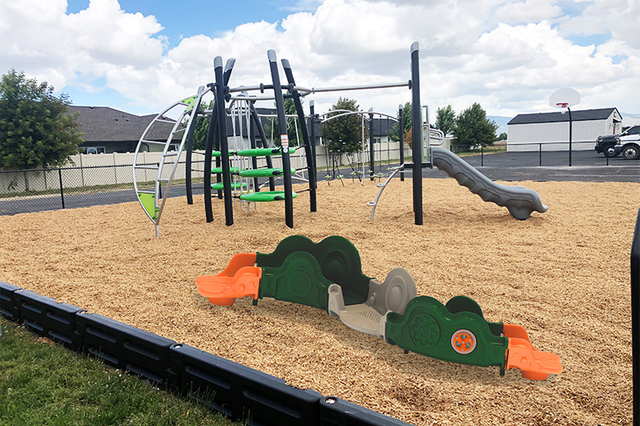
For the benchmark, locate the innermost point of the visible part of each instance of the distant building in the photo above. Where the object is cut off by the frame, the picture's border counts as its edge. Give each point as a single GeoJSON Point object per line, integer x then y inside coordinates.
{"type": "Point", "coordinates": [106, 130]}
{"type": "Point", "coordinates": [527, 132]}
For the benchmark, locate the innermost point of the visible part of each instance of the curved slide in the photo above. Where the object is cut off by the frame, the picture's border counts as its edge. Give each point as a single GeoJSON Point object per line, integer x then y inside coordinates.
{"type": "Point", "coordinates": [518, 200]}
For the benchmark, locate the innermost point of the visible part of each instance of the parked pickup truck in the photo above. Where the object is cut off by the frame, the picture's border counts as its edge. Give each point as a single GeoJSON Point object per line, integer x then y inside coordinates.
{"type": "Point", "coordinates": [626, 143]}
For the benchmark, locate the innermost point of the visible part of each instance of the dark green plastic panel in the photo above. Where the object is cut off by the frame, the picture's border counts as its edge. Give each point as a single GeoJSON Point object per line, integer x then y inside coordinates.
{"type": "Point", "coordinates": [427, 328]}
{"type": "Point", "coordinates": [338, 258]}
{"type": "Point", "coordinates": [299, 279]}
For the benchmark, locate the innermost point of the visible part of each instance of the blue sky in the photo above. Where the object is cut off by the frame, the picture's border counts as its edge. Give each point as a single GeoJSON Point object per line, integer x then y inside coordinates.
{"type": "Point", "coordinates": [142, 55]}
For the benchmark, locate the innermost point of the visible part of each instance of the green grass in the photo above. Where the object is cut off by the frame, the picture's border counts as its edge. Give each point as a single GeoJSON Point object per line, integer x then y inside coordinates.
{"type": "Point", "coordinates": [43, 383]}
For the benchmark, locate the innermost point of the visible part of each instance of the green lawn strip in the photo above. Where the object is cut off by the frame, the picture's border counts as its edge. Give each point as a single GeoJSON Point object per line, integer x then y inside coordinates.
{"type": "Point", "coordinates": [43, 383]}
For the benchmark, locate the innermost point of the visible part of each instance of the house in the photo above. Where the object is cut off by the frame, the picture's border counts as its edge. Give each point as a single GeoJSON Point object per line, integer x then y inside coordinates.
{"type": "Point", "coordinates": [550, 130]}
{"type": "Point", "coordinates": [108, 130]}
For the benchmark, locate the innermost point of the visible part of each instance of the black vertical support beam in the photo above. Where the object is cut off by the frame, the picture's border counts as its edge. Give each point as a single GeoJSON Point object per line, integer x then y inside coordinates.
{"type": "Point", "coordinates": [222, 137]}
{"type": "Point", "coordinates": [305, 136]}
{"type": "Point", "coordinates": [263, 137]}
{"type": "Point", "coordinates": [401, 136]}
{"type": "Point", "coordinates": [284, 137]}
{"type": "Point", "coordinates": [208, 151]}
{"type": "Point", "coordinates": [570, 135]}
{"type": "Point", "coordinates": [189, 159]}
{"type": "Point", "coordinates": [635, 317]}
{"type": "Point", "coordinates": [416, 141]}
{"type": "Point", "coordinates": [372, 152]}
{"type": "Point", "coordinates": [61, 186]}
{"type": "Point", "coordinates": [312, 136]}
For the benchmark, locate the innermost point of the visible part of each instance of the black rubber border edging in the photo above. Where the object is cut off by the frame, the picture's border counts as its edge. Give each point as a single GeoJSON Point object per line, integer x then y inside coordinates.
{"type": "Point", "coordinates": [235, 390]}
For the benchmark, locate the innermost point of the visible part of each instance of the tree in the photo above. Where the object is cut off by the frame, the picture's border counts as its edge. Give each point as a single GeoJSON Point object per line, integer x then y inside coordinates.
{"type": "Point", "coordinates": [343, 134]}
{"type": "Point", "coordinates": [36, 128]}
{"type": "Point", "coordinates": [446, 119]}
{"type": "Point", "coordinates": [406, 123]}
{"type": "Point", "coordinates": [473, 128]}
{"type": "Point", "coordinates": [503, 136]}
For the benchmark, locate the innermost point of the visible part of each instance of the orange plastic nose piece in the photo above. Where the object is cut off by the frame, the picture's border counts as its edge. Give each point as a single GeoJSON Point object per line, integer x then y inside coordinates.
{"type": "Point", "coordinates": [239, 279]}
{"type": "Point", "coordinates": [534, 364]}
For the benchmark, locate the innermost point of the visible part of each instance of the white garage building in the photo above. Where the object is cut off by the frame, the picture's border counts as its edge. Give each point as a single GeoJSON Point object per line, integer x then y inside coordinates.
{"type": "Point", "coordinates": [550, 130]}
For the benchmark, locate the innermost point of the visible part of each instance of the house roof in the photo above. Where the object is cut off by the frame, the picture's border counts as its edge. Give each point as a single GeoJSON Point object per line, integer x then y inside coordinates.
{"type": "Point", "coordinates": [105, 124]}
{"type": "Point", "coordinates": [557, 117]}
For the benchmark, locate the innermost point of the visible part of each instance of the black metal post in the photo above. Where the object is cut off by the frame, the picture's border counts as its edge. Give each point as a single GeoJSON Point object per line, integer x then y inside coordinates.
{"type": "Point", "coordinates": [312, 136]}
{"type": "Point", "coordinates": [305, 137]}
{"type": "Point", "coordinates": [401, 135]}
{"type": "Point", "coordinates": [284, 138]}
{"type": "Point", "coordinates": [416, 141]}
{"type": "Point", "coordinates": [61, 187]}
{"type": "Point", "coordinates": [224, 143]}
{"type": "Point", "coordinates": [372, 152]}
{"type": "Point", "coordinates": [635, 317]}
{"type": "Point", "coordinates": [189, 159]}
{"type": "Point", "coordinates": [570, 135]}
{"type": "Point", "coordinates": [481, 155]}
{"type": "Point", "coordinates": [540, 155]}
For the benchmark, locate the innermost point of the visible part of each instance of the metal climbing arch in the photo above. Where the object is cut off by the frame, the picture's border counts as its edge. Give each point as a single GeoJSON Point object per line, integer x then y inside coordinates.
{"type": "Point", "coordinates": [152, 199]}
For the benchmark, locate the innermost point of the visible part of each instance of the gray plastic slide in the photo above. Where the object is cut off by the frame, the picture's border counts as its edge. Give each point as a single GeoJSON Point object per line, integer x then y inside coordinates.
{"type": "Point", "coordinates": [518, 200]}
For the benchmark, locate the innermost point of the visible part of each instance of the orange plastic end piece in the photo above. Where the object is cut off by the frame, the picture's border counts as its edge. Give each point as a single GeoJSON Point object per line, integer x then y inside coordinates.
{"type": "Point", "coordinates": [239, 279]}
{"type": "Point", "coordinates": [534, 364]}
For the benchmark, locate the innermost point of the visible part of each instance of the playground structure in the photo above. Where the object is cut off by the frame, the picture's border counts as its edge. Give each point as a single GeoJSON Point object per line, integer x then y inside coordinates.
{"type": "Point", "coordinates": [519, 201]}
{"type": "Point", "coordinates": [328, 276]}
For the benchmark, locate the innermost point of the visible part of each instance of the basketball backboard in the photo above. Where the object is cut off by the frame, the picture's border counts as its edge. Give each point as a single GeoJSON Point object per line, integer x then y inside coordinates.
{"type": "Point", "coordinates": [564, 98]}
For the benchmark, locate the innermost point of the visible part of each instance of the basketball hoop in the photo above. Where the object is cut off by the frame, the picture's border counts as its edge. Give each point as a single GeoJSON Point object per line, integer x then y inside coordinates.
{"type": "Point", "coordinates": [562, 104]}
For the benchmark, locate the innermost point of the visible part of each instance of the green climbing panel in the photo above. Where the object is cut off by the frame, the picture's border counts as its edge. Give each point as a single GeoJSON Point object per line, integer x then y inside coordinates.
{"type": "Point", "coordinates": [219, 186]}
{"type": "Point", "coordinates": [338, 259]}
{"type": "Point", "coordinates": [427, 327]}
{"type": "Point", "coordinates": [265, 196]}
{"type": "Point", "coordinates": [148, 202]}
{"type": "Point", "coordinates": [299, 279]}
{"type": "Point", "coordinates": [262, 152]}
{"type": "Point", "coordinates": [263, 172]}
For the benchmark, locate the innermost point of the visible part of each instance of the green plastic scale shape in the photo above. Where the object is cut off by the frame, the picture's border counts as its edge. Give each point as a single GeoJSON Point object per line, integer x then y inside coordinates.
{"type": "Point", "coordinates": [328, 276]}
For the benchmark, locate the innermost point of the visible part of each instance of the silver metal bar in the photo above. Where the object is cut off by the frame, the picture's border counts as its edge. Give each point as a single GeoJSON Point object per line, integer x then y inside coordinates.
{"type": "Point", "coordinates": [345, 88]}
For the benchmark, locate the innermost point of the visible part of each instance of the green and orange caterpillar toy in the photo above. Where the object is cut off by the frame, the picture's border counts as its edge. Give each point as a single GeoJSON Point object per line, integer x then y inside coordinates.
{"type": "Point", "coordinates": [327, 275]}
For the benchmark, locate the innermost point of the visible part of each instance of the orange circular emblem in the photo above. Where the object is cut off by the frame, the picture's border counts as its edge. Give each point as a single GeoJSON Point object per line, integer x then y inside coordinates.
{"type": "Point", "coordinates": [463, 342]}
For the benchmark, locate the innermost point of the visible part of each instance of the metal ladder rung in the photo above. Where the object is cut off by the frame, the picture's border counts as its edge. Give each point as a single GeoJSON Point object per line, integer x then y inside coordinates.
{"type": "Point", "coordinates": [146, 191]}
{"type": "Point", "coordinates": [179, 130]}
{"type": "Point", "coordinates": [154, 142]}
{"type": "Point", "coordinates": [147, 167]}
{"type": "Point", "coordinates": [170, 154]}
{"type": "Point", "coordinates": [160, 120]}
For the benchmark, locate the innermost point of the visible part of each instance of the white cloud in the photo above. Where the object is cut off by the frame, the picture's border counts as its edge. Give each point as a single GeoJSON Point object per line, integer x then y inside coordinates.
{"type": "Point", "coordinates": [508, 56]}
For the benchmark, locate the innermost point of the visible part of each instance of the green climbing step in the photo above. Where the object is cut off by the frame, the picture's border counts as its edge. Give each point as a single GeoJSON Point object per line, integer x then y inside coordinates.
{"type": "Point", "coordinates": [219, 154]}
{"type": "Point", "coordinates": [262, 152]}
{"type": "Point", "coordinates": [263, 172]}
{"type": "Point", "coordinates": [231, 169]}
{"type": "Point", "coordinates": [259, 197]}
{"type": "Point", "coordinates": [219, 186]}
